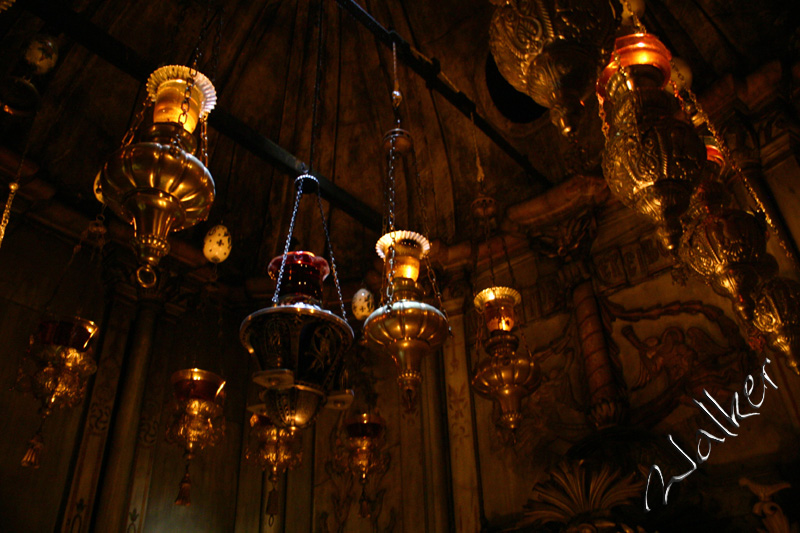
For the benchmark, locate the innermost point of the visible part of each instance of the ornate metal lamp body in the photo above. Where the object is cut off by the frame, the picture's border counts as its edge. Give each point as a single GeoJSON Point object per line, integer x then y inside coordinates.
{"type": "Point", "coordinates": [56, 369]}
{"type": "Point", "coordinates": [198, 419]}
{"type": "Point", "coordinates": [298, 344]}
{"type": "Point", "coordinates": [777, 315]}
{"type": "Point", "coordinates": [652, 161]}
{"type": "Point", "coordinates": [405, 327]}
{"type": "Point", "coordinates": [365, 440]}
{"type": "Point", "coordinates": [157, 184]}
{"type": "Point", "coordinates": [505, 376]}
{"type": "Point", "coordinates": [551, 50]}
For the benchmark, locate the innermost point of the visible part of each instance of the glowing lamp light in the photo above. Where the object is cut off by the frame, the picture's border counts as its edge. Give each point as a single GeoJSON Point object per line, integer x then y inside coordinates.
{"type": "Point", "coordinates": [409, 250]}
{"type": "Point", "coordinates": [497, 305]}
{"type": "Point", "coordinates": [167, 88]}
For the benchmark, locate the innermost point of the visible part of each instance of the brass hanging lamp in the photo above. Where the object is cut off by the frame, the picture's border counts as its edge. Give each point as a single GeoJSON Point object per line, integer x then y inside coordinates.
{"type": "Point", "coordinates": [298, 344]}
{"type": "Point", "coordinates": [365, 438]}
{"type": "Point", "coordinates": [551, 51]}
{"type": "Point", "coordinates": [404, 327]}
{"type": "Point", "coordinates": [652, 160]}
{"type": "Point", "coordinates": [197, 420]}
{"type": "Point", "coordinates": [158, 180]}
{"type": "Point", "coordinates": [59, 361]}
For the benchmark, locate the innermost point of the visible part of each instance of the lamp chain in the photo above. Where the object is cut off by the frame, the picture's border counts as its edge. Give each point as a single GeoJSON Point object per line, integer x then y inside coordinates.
{"type": "Point", "coordinates": [389, 292]}
{"type": "Point", "coordinates": [737, 170]}
{"type": "Point", "coordinates": [334, 271]}
{"type": "Point", "coordinates": [317, 84]}
{"type": "Point", "coordinates": [637, 23]}
{"type": "Point", "coordinates": [299, 182]}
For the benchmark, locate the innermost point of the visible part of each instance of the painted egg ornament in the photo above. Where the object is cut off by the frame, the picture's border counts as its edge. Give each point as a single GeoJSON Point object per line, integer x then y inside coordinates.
{"type": "Point", "coordinates": [363, 304]}
{"type": "Point", "coordinates": [217, 244]}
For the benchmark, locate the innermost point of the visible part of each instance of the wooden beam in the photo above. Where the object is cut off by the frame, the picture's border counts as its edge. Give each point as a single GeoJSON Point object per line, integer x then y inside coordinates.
{"type": "Point", "coordinates": [99, 42]}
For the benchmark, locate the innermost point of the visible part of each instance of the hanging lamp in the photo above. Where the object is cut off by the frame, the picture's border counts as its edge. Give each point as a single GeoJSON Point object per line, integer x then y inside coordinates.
{"type": "Point", "coordinates": [365, 438]}
{"type": "Point", "coordinates": [404, 327]}
{"type": "Point", "coordinates": [59, 361]}
{"type": "Point", "coordinates": [197, 419]}
{"type": "Point", "coordinates": [298, 344]}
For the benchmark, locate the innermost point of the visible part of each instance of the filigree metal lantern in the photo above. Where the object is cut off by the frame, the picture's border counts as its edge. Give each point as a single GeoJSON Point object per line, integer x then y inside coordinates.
{"type": "Point", "coordinates": [198, 419]}
{"type": "Point", "coordinates": [652, 160]}
{"type": "Point", "coordinates": [777, 315]}
{"type": "Point", "coordinates": [365, 440]}
{"type": "Point", "coordinates": [56, 370]}
{"type": "Point", "coordinates": [506, 376]}
{"type": "Point", "coordinates": [551, 51]}
{"type": "Point", "coordinates": [405, 327]}
{"type": "Point", "coordinates": [276, 449]}
{"type": "Point", "coordinates": [155, 181]}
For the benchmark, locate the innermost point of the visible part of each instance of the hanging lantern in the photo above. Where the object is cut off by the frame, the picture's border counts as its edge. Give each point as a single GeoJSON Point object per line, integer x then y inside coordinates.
{"type": "Point", "coordinates": [157, 184]}
{"type": "Point", "coordinates": [777, 315]}
{"type": "Point", "coordinates": [275, 449]}
{"type": "Point", "coordinates": [405, 327]}
{"type": "Point", "coordinates": [551, 51]}
{"type": "Point", "coordinates": [217, 244]}
{"type": "Point", "coordinates": [365, 440]}
{"type": "Point", "coordinates": [56, 369]}
{"type": "Point", "coordinates": [197, 420]}
{"type": "Point", "coordinates": [298, 344]}
{"type": "Point", "coordinates": [505, 376]}
{"type": "Point", "coordinates": [363, 304]}
{"type": "Point", "coordinates": [652, 161]}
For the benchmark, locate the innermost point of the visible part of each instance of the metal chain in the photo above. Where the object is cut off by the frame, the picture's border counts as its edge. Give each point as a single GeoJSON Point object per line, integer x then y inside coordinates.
{"type": "Point", "coordinates": [487, 237]}
{"type": "Point", "coordinates": [737, 170]}
{"type": "Point", "coordinates": [204, 141]}
{"type": "Point", "coordinates": [390, 253]}
{"type": "Point", "coordinates": [137, 121]}
{"type": "Point", "coordinates": [317, 85]}
{"type": "Point", "coordinates": [13, 187]}
{"type": "Point", "coordinates": [508, 260]}
{"type": "Point", "coordinates": [637, 23]}
{"type": "Point", "coordinates": [299, 182]}
{"type": "Point", "coordinates": [330, 250]}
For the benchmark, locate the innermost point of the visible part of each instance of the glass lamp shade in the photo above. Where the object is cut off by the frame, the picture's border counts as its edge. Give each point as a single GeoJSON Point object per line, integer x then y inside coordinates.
{"type": "Point", "coordinates": [194, 383]}
{"type": "Point", "coordinates": [303, 275]}
{"type": "Point", "coordinates": [363, 304]}
{"type": "Point", "coordinates": [497, 305]}
{"type": "Point", "coordinates": [409, 249]}
{"type": "Point", "coordinates": [365, 438]}
{"type": "Point", "coordinates": [167, 89]}
{"type": "Point", "coordinates": [74, 332]}
{"type": "Point", "coordinates": [217, 244]}
{"type": "Point", "coordinates": [644, 58]}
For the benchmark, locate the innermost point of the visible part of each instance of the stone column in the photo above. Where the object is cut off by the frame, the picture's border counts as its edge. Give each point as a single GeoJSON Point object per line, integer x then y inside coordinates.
{"type": "Point", "coordinates": [115, 483]}
{"type": "Point", "coordinates": [463, 458]}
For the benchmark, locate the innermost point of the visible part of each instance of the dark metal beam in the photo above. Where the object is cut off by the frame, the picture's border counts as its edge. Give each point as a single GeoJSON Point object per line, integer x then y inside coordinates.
{"type": "Point", "coordinates": [429, 70]}
{"type": "Point", "coordinates": [96, 40]}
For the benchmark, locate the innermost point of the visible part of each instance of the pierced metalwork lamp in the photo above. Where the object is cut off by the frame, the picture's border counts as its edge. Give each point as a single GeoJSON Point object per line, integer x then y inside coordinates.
{"type": "Point", "coordinates": [157, 181]}
{"type": "Point", "coordinates": [276, 449]}
{"type": "Point", "coordinates": [56, 370]}
{"type": "Point", "coordinates": [198, 419]}
{"type": "Point", "coordinates": [551, 51]}
{"type": "Point", "coordinates": [652, 161]}
{"type": "Point", "coordinates": [298, 344]}
{"type": "Point", "coordinates": [365, 440]}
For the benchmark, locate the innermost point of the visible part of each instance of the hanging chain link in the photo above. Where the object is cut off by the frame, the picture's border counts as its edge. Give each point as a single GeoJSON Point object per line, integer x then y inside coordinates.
{"type": "Point", "coordinates": [317, 86]}
{"type": "Point", "coordinates": [13, 187]}
{"type": "Point", "coordinates": [137, 121]}
{"type": "Point", "coordinates": [217, 43]}
{"type": "Point", "coordinates": [299, 182]}
{"type": "Point", "coordinates": [334, 270]}
{"type": "Point", "coordinates": [637, 23]}
{"type": "Point", "coordinates": [737, 170]}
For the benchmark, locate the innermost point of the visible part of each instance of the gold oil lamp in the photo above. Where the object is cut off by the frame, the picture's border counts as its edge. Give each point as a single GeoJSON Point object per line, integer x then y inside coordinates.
{"type": "Point", "coordinates": [365, 440]}
{"type": "Point", "coordinates": [276, 449]}
{"type": "Point", "coordinates": [551, 52]}
{"type": "Point", "coordinates": [727, 246]}
{"type": "Point", "coordinates": [405, 327]}
{"type": "Point", "coordinates": [652, 160]}
{"type": "Point", "coordinates": [506, 376]}
{"type": "Point", "coordinates": [56, 370]}
{"type": "Point", "coordinates": [777, 315]}
{"type": "Point", "coordinates": [298, 344]}
{"type": "Point", "coordinates": [157, 181]}
{"type": "Point", "coordinates": [198, 420]}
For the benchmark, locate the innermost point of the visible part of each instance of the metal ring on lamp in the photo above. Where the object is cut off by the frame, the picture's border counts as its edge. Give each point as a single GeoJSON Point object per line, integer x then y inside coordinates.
{"type": "Point", "coordinates": [146, 276]}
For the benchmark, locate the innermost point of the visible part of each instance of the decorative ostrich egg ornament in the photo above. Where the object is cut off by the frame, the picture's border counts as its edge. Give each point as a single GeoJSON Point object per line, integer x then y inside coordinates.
{"type": "Point", "coordinates": [217, 244]}
{"type": "Point", "coordinates": [363, 304]}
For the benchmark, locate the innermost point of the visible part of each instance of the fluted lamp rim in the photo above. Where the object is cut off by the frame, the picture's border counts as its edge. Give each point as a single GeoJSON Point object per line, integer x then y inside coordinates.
{"type": "Point", "coordinates": [400, 236]}
{"type": "Point", "coordinates": [496, 293]}
{"type": "Point", "coordinates": [182, 72]}
{"type": "Point", "coordinates": [636, 49]}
